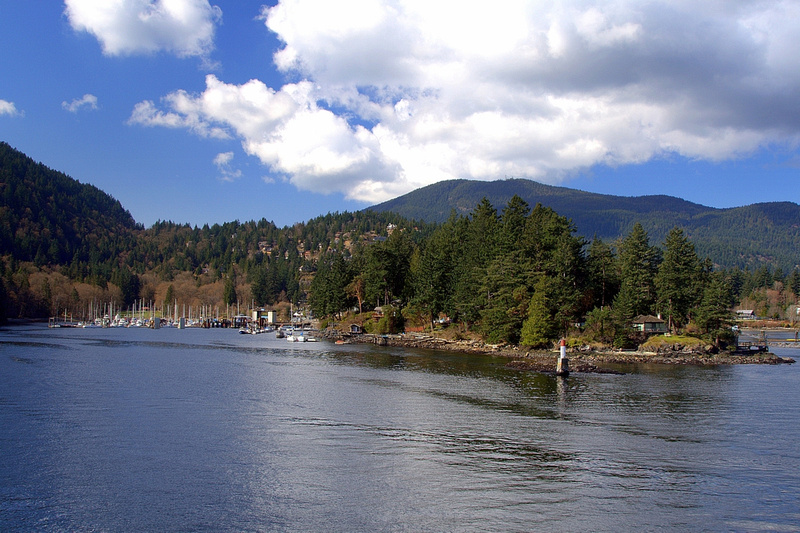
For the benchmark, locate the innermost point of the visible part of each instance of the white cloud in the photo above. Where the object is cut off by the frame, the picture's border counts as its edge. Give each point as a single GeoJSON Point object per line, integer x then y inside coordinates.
{"type": "Point", "coordinates": [124, 27]}
{"type": "Point", "coordinates": [8, 108]}
{"type": "Point", "coordinates": [409, 92]}
{"type": "Point", "coordinates": [87, 100]}
{"type": "Point", "coordinates": [223, 163]}
{"type": "Point", "coordinates": [286, 129]}
{"type": "Point", "coordinates": [184, 116]}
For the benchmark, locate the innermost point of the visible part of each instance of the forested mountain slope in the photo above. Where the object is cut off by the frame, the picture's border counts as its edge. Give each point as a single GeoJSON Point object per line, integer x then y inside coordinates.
{"type": "Point", "coordinates": [69, 248]}
{"type": "Point", "coordinates": [750, 236]}
{"type": "Point", "coordinates": [50, 218]}
{"type": "Point", "coordinates": [63, 241]}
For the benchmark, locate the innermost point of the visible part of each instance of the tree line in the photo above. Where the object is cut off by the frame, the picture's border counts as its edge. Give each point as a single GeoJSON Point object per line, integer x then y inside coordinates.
{"type": "Point", "coordinates": [522, 276]}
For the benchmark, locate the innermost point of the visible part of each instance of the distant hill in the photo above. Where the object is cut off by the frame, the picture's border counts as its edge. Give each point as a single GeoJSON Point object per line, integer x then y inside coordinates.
{"type": "Point", "coordinates": [50, 218]}
{"type": "Point", "coordinates": [750, 236]}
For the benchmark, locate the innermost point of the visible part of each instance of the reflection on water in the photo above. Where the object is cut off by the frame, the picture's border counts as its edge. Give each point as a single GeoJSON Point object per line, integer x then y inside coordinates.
{"type": "Point", "coordinates": [211, 430]}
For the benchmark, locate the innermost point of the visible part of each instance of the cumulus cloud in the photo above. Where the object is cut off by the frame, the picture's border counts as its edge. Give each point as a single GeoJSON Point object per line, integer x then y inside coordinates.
{"type": "Point", "coordinates": [86, 101]}
{"type": "Point", "coordinates": [223, 163]}
{"type": "Point", "coordinates": [288, 130]}
{"type": "Point", "coordinates": [8, 108]}
{"type": "Point", "coordinates": [187, 113]}
{"type": "Point", "coordinates": [409, 92]}
{"type": "Point", "coordinates": [125, 27]}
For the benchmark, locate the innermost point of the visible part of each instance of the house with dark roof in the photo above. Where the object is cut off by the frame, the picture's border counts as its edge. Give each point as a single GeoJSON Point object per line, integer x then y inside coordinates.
{"type": "Point", "coordinates": [649, 324]}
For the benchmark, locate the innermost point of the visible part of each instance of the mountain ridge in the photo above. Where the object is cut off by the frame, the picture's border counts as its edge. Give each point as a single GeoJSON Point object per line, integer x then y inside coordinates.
{"type": "Point", "coordinates": [50, 218]}
{"type": "Point", "coordinates": [47, 216]}
{"type": "Point", "coordinates": [746, 237]}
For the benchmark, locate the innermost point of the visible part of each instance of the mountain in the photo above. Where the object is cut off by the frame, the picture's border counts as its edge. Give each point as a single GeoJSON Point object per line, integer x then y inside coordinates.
{"type": "Point", "coordinates": [49, 217]}
{"type": "Point", "coordinates": [749, 236]}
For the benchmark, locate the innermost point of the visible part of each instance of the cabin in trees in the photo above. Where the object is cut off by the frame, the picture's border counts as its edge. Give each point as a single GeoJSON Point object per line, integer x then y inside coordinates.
{"type": "Point", "coordinates": [649, 324]}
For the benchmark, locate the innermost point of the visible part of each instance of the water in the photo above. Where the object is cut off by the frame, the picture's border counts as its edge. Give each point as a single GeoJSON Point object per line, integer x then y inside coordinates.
{"type": "Point", "coordinates": [209, 430]}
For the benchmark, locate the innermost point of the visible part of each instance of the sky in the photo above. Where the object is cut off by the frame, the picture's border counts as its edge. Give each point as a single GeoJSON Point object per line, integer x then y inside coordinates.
{"type": "Point", "coordinates": [206, 112]}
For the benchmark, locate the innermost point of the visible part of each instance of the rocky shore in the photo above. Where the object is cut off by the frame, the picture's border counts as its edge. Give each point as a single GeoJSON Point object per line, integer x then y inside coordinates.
{"type": "Point", "coordinates": [584, 360]}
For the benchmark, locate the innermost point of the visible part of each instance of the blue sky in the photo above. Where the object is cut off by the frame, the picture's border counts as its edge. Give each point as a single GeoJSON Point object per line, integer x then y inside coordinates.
{"type": "Point", "coordinates": [204, 112]}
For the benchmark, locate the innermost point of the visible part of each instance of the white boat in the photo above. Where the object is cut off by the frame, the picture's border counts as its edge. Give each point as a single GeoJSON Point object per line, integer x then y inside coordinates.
{"type": "Point", "coordinates": [296, 338]}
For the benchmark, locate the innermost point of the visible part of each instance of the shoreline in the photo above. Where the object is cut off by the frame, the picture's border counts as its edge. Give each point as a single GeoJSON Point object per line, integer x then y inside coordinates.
{"type": "Point", "coordinates": [579, 361]}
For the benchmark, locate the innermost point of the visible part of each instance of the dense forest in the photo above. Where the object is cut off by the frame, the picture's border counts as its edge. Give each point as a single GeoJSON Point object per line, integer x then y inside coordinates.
{"type": "Point", "coordinates": [520, 275]}
{"type": "Point", "coordinates": [742, 237]}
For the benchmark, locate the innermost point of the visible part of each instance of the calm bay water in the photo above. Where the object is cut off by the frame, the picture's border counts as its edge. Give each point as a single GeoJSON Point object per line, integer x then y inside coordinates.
{"type": "Point", "coordinates": [209, 430]}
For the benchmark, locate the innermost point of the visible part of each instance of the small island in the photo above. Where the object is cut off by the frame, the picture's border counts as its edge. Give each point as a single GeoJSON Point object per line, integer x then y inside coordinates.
{"type": "Point", "coordinates": [658, 349]}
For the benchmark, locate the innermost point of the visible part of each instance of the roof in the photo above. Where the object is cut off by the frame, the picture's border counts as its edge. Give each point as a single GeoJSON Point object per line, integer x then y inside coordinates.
{"type": "Point", "coordinates": [647, 319]}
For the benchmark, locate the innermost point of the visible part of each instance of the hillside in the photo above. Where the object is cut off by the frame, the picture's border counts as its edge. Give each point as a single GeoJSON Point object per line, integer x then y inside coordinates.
{"type": "Point", "coordinates": [64, 241]}
{"type": "Point", "coordinates": [50, 218]}
{"type": "Point", "coordinates": [47, 217]}
{"type": "Point", "coordinates": [67, 247]}
{"type": "Point", "coordinates": [750, 236]}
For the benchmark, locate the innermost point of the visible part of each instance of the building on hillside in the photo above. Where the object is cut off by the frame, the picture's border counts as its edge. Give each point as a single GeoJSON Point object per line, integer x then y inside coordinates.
{"type": "Point", "coordinates": [649, 324]}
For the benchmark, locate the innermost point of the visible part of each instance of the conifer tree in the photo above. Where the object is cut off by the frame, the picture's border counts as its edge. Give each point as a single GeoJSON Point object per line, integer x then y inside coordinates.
{"type": "Point", "coordinates": [512, 223]}
{"type": "Point", "coordinates": [229, 296]}
{"type": "Point", "coordinates": [793, 281]}
{"type": "Point", "coordinates": [603, 281]}
{"type": "Point", "coordinates": [678, 280]}
{"type": "Point", "coordinates": [507, 286]}
{"type": "Point", "coordinates": [433, 271]}
{"type": "Point", "coordinates": [476, 237]}
{"type": "Point", "coordinates": [540, 326]}
{"type": "Point", "coordinates": [638, 264]}
{"type": "Point", "coordinates": [258, 287]}
{"type": "Point", "coordinates": [623, 312]}
{"type": "Point", "coordinates": [169, 297]}
{"type": "Point", "coordinates": [714, 312]}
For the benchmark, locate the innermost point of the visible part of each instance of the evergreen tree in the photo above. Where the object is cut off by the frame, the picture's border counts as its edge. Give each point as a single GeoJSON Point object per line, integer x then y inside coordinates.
{"type": "Point", "coordinates": [400, 249]}
{"type": "Point", "coordinates": [540, 327]}
{"type": "Point", "coordinates": [477, 237]}
{"type": "Point", "coordinates": [603, 282]}
{"type": "Point", "coordinates": [714, 314]}
{"type": "Point", "coordinates": [169, 297]}
{"type": "Point", "coordinates": [432, 273]}
{"type": "Point", "coordinates": [599, 325]}
{"type": "Point", "coordinates": [377, 264]}
{"type": "Point", "coordinates": [568, 271]}
{"type": "Point", "coordinates": [638, 264]}
{"type": "Point", "coordinates": [678, 280]}
{"type": "Point", "coordinates": [128, 283]}
{"type": "Point", "coordinates": [793, 281]}
{"type": "Point", "coordinates": [512, 224]}
{"type": "Point", "coordinates": [258, 287]}
{"type": "Point", "coordinates": [329, 287]}
{"type": "Point", "coordinates": [507, 288]}
{"type": "Point", "coordinates": [624, 310]}
{"type": "Point", "coordinates": [229, 296]}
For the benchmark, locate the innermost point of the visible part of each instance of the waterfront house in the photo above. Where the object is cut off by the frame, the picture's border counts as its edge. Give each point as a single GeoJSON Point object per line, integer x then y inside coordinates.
{"type": "Point", "coordinates": [649, 324]}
